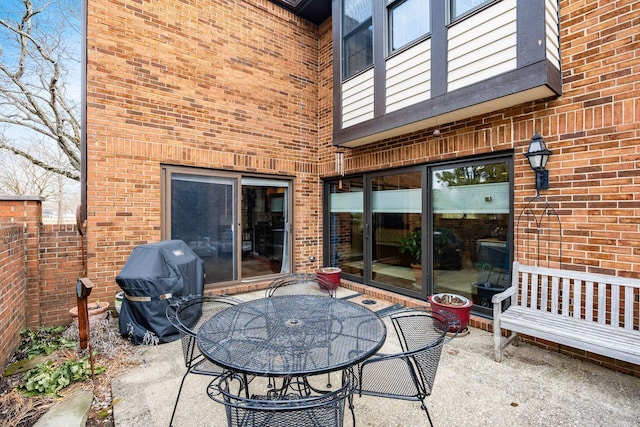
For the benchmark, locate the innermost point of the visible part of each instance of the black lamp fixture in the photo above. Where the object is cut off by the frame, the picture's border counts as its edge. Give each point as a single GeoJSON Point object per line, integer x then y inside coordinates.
{"type": "Point", "coordinates": [538, 155]}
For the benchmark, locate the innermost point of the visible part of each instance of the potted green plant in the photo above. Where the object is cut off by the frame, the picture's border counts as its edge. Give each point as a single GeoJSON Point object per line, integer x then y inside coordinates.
{"type": "Point", "coordinates": [411, 244]}
{"type": "Point", "coordinates": [443, 238]}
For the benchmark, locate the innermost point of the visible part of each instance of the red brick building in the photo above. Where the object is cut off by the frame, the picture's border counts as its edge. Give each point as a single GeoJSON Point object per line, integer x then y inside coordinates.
{"type": "Point", "coordinates": [277, 136]}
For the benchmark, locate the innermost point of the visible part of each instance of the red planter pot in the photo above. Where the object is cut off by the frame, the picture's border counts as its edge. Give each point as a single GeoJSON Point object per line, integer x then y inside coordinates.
{"type": "Point", "coordinates": [331, 276]}
{"type": "Point", "coordinates": [457, 313]}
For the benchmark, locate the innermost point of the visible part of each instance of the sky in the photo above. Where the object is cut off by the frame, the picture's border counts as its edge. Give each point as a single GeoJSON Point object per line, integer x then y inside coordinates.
{"type": "Point", "coordinates": [59, 14]}
{"type": "Point", "coordinates": [60, 19]}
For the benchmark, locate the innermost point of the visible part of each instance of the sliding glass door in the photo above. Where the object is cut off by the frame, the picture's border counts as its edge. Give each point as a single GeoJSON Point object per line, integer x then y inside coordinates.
{"type": "Point", "coordinates": [396, 230]}
{"type": "Point", "coordinates": [368, 220]}
{"type": "Point", "coordinates": [346, 227]}
{"type": "Point", "coordinates": [203, 214]}
{"type": "Point", "coordinates": [425, 229]}
{"type": "Point", "coordinates": [265, 227]}
{"type": "Point", "coordinates": [471, 215]}
{"type": "Point", "coordinates": [239, 225]}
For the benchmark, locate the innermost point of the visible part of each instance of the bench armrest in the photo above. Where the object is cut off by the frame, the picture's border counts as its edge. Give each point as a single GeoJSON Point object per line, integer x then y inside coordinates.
{"type": "Point", "coordinates": [498, 298]}
{"type": "Point", "coordinates": [497, 311]}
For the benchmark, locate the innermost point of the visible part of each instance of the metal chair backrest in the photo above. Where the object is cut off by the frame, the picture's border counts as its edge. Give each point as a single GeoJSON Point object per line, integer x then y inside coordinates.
{"type": "Point", "coordinates": [188, 314]}
{"type": "Point", "coordinates": [300, 284]}
{"type": "Point", "coordinates": [422, 334]}
{"type": "Point", "coordinates": [324, 410]}
{"type": "Point", "coordinates": [410, 373]}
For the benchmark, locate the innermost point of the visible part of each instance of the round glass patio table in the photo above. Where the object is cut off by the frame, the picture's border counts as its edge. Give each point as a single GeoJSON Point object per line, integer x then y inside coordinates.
{"type": "Point", "coordinates": [291, 335]}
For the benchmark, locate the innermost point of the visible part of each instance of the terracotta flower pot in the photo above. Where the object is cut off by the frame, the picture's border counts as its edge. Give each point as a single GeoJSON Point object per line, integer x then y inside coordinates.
{"type": "Point", "coordinates": [454, 307]}
{"type": "Point", "coordinates": [96, 311]}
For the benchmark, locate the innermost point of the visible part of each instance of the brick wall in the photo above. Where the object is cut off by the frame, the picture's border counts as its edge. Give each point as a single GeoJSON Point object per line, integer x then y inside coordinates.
{"type": "Point", "coordinates": [13, 301]}
{"type": "Point", "coordinates": [26, 213]}
{"type": "Point", "coordinates": [60, 266]}
{"type": "Point", "coordinates": [214, 84]}
{"type": "Point", "coordinates": [246, 86]}
{"type": "Point", "coordinates": [593, 130]}
{"type": "Point", "coordinates": [39, 268]}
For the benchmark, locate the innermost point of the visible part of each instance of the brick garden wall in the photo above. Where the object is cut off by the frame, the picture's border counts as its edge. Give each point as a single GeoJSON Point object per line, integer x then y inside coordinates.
{"type": "Point", "coordinates": [60, 266]}
{"type": "Point", "coordinates": [39, 268]}
{"type": "Point", "coordinates": [13, 286]}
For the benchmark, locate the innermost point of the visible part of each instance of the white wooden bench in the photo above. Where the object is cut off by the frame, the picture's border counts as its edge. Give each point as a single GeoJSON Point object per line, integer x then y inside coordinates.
{"type": "Point", "coordinates": [592, 312]}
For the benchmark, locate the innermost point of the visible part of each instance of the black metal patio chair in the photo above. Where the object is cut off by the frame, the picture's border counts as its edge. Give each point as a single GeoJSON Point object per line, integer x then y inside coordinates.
{"type": "Point", "coordinates": [291, 410]}
{"type": "Point", "coordinates": [300, 284]}
{"type": "Point", "coordinates": [409, 374]}
{"type": "Point", "coordinates": [187, 315]}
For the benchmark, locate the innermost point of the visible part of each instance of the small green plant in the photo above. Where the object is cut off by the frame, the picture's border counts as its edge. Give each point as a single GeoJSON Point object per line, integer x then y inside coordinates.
{"type": "Point", "coordinates": [483, 266]}
{"type": "Point", "coordinates": [44, 340]}
{"type": "Point", "coordinates": [412, 245]}
{"type": "Point", "coordinates": [48, 379]}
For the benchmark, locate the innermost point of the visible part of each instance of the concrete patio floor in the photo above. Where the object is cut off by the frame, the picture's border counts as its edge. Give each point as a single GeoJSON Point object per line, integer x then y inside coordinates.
{"type": "Point", "coordinates": [531, 387]}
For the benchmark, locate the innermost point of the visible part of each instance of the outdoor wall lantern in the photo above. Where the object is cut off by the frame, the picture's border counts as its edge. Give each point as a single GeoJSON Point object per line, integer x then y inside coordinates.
{"type": "Point", "coordinates": [538, 155]}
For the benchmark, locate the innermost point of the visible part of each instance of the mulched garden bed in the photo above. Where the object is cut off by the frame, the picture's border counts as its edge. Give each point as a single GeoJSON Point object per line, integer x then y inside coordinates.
{"type": "Point", "coordinates": [110, 351]}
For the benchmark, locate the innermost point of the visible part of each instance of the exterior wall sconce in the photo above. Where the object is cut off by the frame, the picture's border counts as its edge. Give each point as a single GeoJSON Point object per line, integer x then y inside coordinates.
{"type": "Point", "coordinates": [538, 155]}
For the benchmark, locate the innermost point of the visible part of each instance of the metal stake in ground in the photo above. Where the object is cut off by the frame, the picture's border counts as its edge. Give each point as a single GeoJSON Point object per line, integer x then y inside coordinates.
{"type": "Point", "coordinates": [83, 290]}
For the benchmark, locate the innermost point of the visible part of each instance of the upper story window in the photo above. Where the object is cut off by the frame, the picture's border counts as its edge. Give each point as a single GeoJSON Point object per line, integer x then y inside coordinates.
{"type": "Point", "coordinates": [460, 7]}
{"type": "Point", "coordinates": [408, 21]}
{"type": "Point", "coordinates": [357, 36]}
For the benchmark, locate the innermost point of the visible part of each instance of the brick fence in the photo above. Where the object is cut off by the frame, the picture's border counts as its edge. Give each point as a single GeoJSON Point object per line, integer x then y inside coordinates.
{"type": "Point", "coordinates": [13, 289]}
{"type": "Point", "coordinates": [39, 269]}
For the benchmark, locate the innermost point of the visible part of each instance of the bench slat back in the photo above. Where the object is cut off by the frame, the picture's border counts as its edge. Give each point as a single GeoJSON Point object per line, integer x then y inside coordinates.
{"type": "Point", "coordinates": [610, 300]}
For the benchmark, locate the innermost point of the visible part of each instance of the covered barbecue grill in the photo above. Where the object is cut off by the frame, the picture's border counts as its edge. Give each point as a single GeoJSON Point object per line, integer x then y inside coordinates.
{"type": "Point", "coordinates": [153, 275]}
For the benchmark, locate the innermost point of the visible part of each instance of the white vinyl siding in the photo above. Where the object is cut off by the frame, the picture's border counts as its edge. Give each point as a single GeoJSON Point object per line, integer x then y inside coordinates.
{"type": "Point", "coordinates": [408, 77]}
{"type": "Point", "coordinates": [483, 46]}
{"type": "Point", "coordinates": [357, 99]}
{"type": "Point", "coordinates": [552, 32]}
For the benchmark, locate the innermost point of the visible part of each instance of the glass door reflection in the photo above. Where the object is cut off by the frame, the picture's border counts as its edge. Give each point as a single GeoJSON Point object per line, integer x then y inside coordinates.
{"type": "Point", "coordinates": [396, 232]}
{"type": "Point", "coordinates": [471, 217]}
{"type": "Point", "coordinates": [346, 226]}
{"type": "Point", "coordinates": [265, 222]}
{"type": "Point", "coordinates": [203, 214]}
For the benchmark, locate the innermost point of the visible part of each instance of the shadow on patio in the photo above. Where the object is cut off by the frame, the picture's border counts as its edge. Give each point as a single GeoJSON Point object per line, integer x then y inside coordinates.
{"type": "Point", "coordinates": [531, 386]}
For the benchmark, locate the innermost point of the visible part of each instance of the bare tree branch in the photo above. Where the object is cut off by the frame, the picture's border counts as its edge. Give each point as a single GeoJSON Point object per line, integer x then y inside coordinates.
{"type": "Point", "coordinates": [20, 176]}
{"type": "Point", "coordinates": [33, 96]}
{"type": "Point", "coordinates": [44, 165]}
